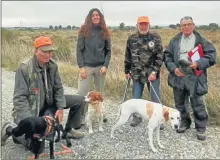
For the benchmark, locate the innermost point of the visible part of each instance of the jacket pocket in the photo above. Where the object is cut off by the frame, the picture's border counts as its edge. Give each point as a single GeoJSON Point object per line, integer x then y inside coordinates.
{"type": "Point", "coordinates": [171, 80]}
{"type": "Point", "coordinates": [175, 82]}
{"type": "Point", "coordinates": [202, 85]}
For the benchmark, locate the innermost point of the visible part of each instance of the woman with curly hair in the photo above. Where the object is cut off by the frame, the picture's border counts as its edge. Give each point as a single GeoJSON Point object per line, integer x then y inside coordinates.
{"type": "Point", "coordinates": [93, 53]}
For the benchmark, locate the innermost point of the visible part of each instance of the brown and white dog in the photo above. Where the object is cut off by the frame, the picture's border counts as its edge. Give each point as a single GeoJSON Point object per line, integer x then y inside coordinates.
{"type": "Point", "coordinates": [154, 112]}
{"type": "Point", "coordinates": [95, 110]}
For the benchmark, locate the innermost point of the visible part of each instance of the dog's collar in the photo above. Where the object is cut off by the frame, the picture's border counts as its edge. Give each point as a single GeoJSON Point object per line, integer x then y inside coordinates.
{"type": "Point", "coordinates": [164, 111]}
{"type": "Point", "coordinates": [49, 120]}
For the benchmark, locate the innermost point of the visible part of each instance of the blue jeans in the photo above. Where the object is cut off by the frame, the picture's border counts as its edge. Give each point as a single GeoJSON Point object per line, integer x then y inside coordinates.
{"type": "Point", "coordinates": [138, 88]}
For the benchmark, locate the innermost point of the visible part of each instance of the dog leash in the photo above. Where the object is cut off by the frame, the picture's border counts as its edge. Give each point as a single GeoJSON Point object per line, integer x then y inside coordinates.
{"type": "Point", "coordinates": [151, 86]}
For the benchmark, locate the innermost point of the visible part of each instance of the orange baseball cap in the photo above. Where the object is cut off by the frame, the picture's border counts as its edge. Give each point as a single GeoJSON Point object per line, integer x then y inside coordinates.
{"type": "Point", "coordinates": [143, 19]}
{"type": "Point", "coordinates": [44, 43]}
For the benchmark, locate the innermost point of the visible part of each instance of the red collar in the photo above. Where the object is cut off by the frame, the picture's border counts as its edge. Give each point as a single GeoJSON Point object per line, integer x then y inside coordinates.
{"type": "Point", "coordinates": [164, 111]}
{"type": "Point", "coordinates": [49, 121]}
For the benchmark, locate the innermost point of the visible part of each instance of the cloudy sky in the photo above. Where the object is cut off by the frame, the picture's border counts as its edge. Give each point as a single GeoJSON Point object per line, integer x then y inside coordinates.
{"type": "Point", "coordinates": [45, 13]}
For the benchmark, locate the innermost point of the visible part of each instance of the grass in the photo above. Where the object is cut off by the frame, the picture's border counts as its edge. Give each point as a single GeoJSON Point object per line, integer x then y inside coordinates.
{"type": "Point", "coordinates": [18, 45]}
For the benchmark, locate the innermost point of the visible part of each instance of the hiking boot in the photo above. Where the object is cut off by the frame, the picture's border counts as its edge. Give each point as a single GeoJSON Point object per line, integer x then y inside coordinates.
{"type": "Point", "coordinates": [135, 121]}
{"type": "Point", "coordinates": [6, 132]}
{"type": "Point", "coordinates": [76, 134]}
{"type": "Point", "coordinates": [201, 135]}
{"type": "Point", "coordinates": [183, 126]}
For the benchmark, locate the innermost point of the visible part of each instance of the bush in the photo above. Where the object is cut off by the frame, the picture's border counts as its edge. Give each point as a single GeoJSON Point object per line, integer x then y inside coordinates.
{"type": "Point", "coordinates": [8, 35]}
{"type": "Point", "coordinates": [63, 49]}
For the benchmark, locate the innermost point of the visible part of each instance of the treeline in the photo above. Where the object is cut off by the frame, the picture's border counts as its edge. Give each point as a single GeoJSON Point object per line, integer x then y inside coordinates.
{"type": "Point", "coordinates": [122, 26]}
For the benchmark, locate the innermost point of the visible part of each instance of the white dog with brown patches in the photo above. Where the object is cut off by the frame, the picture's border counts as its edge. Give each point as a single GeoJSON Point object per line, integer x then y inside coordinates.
{"type": "Point", "coordinates": [95, 110]}
{"type": "Point", "coordinates": [154, 112]}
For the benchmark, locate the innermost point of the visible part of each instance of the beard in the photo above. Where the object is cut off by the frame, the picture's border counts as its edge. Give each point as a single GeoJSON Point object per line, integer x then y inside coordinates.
{"type": "Point", "coordinates": [143, 32]}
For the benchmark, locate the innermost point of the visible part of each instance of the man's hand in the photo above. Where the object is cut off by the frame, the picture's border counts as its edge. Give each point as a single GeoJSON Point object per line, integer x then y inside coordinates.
{"type": "Point", "coordinates": [83, 72]}
{"type": "Point", "coordinates": [194, 65]}
{"type": "Point", "coordinates": [178, 73]}
{"type": "Point", "coordinates": [152, 76]}
{"type": "Point", "coordinates": [103, 70]}
{"type": "Point", "coordinates": [127, 76]}
{"type": "Point", "coordinates": [59, 115]}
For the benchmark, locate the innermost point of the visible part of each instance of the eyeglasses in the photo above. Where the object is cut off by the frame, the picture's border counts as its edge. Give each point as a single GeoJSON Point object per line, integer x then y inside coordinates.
{"type": "Point", "coordinates": [186, 25]}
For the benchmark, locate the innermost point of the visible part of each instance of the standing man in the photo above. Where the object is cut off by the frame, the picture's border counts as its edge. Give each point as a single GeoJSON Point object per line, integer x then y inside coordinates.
{"type": "Point", "coordinates": [143, 60]}
{"type": "Point", "coordinates": [182, 78]}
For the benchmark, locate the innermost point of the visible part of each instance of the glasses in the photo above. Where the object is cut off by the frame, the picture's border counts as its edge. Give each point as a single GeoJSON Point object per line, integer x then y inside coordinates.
{"type": "Point", "coordinates": [186, 25]}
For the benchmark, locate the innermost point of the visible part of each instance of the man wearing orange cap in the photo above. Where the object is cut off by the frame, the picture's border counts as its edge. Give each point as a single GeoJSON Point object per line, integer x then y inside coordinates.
{"type": "Point", "coordinates": [143, 59]}
{"type": "Point", "coordinates": [38, 91]}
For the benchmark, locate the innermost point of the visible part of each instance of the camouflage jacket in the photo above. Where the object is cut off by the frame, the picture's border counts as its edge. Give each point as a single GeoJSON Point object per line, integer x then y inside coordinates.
{"type": "Point", "coordinates": [28, 97]}
{"type": "Point", "coordinates": [144, 54]}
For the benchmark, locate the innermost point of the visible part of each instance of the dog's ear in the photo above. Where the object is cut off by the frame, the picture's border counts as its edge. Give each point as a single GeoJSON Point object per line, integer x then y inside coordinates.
{"type": "Point", "coordinates": [100, 97]}
{"type": "Point", "coordinates": [166, 116]}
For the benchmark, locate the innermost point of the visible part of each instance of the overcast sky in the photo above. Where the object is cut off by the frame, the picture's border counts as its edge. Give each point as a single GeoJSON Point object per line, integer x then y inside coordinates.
{"type": "Point", "coordinates": [45, 13]}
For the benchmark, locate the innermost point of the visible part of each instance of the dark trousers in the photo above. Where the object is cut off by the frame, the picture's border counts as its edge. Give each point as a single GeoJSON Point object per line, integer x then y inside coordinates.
{"type": "Point", "coordinates": [199, 109]}
{"type": "Point", "coordinates": [73, 102]}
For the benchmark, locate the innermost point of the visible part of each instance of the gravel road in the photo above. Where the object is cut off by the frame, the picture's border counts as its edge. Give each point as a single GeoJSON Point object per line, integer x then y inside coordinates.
{"type": "Point", "coordinates": [129, 143]}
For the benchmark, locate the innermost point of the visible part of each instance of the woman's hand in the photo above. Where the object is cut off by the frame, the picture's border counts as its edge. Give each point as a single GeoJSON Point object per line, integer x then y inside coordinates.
{"type": "Point", "coordinates": [103, 70]}
{"type": "Point", "coordinates": [83, 73]}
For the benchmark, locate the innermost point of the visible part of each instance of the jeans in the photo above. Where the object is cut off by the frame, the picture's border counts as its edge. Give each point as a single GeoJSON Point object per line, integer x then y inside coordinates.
{"type": "Point", "coordinates": [138, 88]}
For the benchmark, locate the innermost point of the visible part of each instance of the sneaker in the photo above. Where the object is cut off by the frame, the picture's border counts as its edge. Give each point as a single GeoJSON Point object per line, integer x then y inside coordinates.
{"type": "Point", "coordinates": [135, 121]}
{"type": "Point", "coordinates": [6, 132]}
{"type": "Point", "coordinates": [76, 134]}
{"type": "Point", "coordinates": [201, 135]}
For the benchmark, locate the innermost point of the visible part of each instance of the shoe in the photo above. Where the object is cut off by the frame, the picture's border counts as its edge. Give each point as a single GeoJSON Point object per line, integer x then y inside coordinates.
{"type": "Point", "coordinates": [135, 121]}
{"type": "Point", "coordinates": [76, 134]}
{"type": "Point", "coordinates": [6, 132]}
{"type": "Point", "coordinates": [184, 126]}
{"type": "Point", "coordinates": [162, 127]}
{"type": "Point", "coordinates": [201, 135]}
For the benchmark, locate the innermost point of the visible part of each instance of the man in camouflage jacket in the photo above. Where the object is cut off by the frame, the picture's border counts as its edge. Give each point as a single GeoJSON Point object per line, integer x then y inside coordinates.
{"type": "Point", "coordinates": [38, 91]}
{"type": "Point", "coordinates": [143, 60]}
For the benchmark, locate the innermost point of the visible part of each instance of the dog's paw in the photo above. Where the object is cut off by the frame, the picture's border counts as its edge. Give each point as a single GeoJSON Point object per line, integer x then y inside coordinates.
{"type": "Point", "coordinates": [112, 137]}
{"type": "Point", "coordinates": [105, 120]}
{"type": "Point", "coordinates": [161, 146]}
{"type": "Point", "coordinates": [91, 132]}
{"type": "Point", "coordinates": [101, 129]}
{"type": "Point", "coordinates": [52, 157]}
{"type": "Point", "coordinates": [154, 150]}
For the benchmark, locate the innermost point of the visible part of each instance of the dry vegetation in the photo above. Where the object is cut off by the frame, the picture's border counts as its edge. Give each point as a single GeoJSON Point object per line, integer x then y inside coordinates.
{"type": "Point", "coordinates": [17, 45]}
